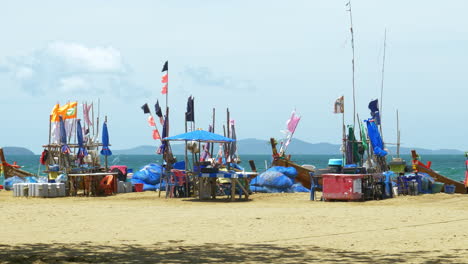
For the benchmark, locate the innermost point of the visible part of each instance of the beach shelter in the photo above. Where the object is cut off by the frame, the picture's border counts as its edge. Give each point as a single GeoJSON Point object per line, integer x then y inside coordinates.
{"type": "Point", "coordinates": [63, 137]}
{"type": "Point", "coordinates": [201, 136]}
{"type": "Point", "coordinates": [79, 136]}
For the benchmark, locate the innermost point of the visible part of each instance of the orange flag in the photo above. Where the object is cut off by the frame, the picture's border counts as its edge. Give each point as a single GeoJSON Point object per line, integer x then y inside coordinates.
{"type": "Point", "coordinates": [156, 135]}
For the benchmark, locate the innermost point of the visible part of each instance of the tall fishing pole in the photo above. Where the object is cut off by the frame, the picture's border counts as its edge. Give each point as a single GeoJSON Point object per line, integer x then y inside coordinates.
{"type": "Point", "coordinates": [382, 84]}
{"type": "Point", "coordinates": [352, 46]}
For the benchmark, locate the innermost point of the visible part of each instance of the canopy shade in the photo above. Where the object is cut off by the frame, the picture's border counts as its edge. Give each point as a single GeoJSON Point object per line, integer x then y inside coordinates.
{"type": "Point", "coordinates": [200, 135]}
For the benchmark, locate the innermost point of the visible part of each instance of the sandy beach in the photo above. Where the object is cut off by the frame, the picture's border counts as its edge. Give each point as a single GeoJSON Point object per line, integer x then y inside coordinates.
{"type": "Point", "coordinates": [280, 228]}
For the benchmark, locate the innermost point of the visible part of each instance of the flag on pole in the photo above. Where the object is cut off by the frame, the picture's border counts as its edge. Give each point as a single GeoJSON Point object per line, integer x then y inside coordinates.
{"type": "Point", "coordinates": [146, 109]}
{"type": "Point", "coordinates": [156, 135]}
{"type": "Point", "coordinates": [292, 122]}
{"type": "Point", "coordinates": [151, 122]}
{"type": "Point", "coordinates": [375, 113]}
{"type": "Point", "coordinates": [86, 109]}
{"type": "Point", "coordinates": [190, 114]}
{"type": "Point", "coordinates": [164, 89]}
{"type": "Point", "coordinates": [339, 105]}
{"type": "Point", "coordinates": [158, 111]}
{"type": "Point", "coordinates": [165, 78]}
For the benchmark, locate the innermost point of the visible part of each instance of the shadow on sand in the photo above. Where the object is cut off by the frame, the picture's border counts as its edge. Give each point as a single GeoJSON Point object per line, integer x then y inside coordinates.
{"type": "Point", "coordinates": [177, 252]}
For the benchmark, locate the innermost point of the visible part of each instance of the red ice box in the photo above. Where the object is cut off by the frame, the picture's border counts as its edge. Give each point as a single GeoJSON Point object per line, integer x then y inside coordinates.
{"type": "Point", "coordinates": [342, 186]}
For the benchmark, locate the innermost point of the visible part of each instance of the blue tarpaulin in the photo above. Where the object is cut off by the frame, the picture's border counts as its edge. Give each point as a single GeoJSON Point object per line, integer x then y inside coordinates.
{"type": "Point", "coordinates": [375, 138]}
{"type": "Point", "coordinates": [200, 135]}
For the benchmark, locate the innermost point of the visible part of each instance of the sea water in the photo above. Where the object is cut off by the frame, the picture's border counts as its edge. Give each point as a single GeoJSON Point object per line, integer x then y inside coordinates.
{"type": "Point", "coordinates": [452, 166]}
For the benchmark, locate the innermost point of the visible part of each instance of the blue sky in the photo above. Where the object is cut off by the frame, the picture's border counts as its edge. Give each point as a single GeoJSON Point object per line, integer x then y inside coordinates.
{"type": "Point", "coordinates": [262, 59]}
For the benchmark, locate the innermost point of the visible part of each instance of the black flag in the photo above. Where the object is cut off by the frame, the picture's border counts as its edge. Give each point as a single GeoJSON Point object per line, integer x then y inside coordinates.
{"type": "Point", "coordinates": [190, 114]}
{"type": "Point", "coordinates": [157, 108]}
{"type": "Point", "coordinates": [146, 109]}
{"type": "Point", "coordinates": [165, 67]}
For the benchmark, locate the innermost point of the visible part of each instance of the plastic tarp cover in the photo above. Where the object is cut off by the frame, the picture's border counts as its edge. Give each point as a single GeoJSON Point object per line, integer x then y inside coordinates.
{"type": "Point", "coordinates": [272, 179]}
{"type": "Point", "coordinates": [150, 177]}
{"type": "Point", "coordinates": [288, 171]}
{"type": "Point", "coordinates": [276, 180]}
{"type": "Point", "coordinates": [375, 138]}
{"type": "Point", "coordinates": [12, 180]}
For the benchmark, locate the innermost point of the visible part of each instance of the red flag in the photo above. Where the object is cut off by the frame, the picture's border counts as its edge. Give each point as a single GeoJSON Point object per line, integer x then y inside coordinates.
{"type": "Point", "coordinates": [156, 135]}
{"type": "Point", "coordinates": [164, 89]}
{"type": "Point", "coordinates": [151, 121]}
{"type": "Point", "coordinates": [164, 78]}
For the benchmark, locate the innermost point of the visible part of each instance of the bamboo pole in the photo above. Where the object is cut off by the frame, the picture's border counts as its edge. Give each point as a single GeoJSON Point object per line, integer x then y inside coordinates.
{"type": "Point", "coordinates": [228, 145]}
{"type": "Point", "coordinates": [382, 85]}
{"type": "Point", "coordinates": [353, 61]}
{"type": "Point", "coordinates": [105, 156]}
{"type": "Point", "coordinates": [398, 134]}
{"type": "Point", "coordinates": [213, 130]}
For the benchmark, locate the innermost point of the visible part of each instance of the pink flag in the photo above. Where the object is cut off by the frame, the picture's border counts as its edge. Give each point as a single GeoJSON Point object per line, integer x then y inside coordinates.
{"type": "Point", "coordinates": [292, 122]}
{"type": "Point", "coordinates": [151, 121]}
{"type": "Point", "coordinates": [164, 89]}
{"type": "Point", "coordinates": [164, 78]}
{"type": "Point", "coordinates": [156, 135]}
{"type": "Point", "coordinates": [86, 109]}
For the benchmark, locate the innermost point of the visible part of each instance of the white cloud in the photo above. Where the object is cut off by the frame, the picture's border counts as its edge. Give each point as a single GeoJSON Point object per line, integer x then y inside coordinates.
{"type": "Point", "coordinates": [80, 58]}
{"type": "Point", "coordinates": [73, 84]}
{"type": "Point", "coordinates": [204, 77]}
{"type": "Point", "coordinates": [62, 68]}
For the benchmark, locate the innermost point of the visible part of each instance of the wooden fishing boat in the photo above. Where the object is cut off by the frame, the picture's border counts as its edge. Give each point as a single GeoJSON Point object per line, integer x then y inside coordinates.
{"type": "Point", "coordinates": [10, 170]}
{"type": "Point", "coordinates": [303, 174]}
{"type": "Point", "coordinates": [421, 167]}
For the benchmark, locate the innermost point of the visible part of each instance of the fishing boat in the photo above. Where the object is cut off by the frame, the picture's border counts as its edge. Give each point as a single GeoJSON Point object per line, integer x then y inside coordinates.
{"type": "Point", "coordinates": [303, 173]}
{"type": "Point", "coordinates": [426, 168]}
{"type": "Point", "coordinates": [10, 170]}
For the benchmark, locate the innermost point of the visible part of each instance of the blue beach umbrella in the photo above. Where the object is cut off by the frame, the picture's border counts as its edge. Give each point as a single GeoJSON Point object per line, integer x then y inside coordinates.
{"type": "Point", "coordinates": [63, 137]}
{"type": "Point", "coordinates": [79, 135]}
{"type": "Point", "coordinates": [200, 135]}
{"type": "Point", "coordinates": [105, 141]}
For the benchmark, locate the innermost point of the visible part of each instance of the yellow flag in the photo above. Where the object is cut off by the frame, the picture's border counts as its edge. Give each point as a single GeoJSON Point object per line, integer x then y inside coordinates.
{"type": "Point", "coordinates": [54, 115]}
{"type": "Point", "coordinates": [67, 111]}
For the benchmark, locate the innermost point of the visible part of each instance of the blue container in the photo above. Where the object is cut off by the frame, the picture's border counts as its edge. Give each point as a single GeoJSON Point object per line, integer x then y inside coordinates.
{"type": "Point", "coordinates": [335, 162]}
{"type": "Point", "coordinates": [449, 188]}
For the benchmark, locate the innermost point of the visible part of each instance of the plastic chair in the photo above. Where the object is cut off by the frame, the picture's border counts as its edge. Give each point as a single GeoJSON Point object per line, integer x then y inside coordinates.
{"type": "Point", "coordinates": [177, 183]}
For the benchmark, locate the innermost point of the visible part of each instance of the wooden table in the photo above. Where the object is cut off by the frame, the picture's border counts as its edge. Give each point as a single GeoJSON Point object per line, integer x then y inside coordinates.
{"type": "Point", "coordinates": [211, 178]}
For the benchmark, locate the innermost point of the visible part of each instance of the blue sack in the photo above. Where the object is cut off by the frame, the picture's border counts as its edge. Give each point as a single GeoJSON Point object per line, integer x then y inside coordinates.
{"type": "Point", "coordinates": [12, 180]}
{"type": "Point", "coordinates": [273, 179]}
{"type": "Point", "coordinates": [149, 174]}
{"type": "Point", "coordinates": [288, 171]}
{"type": "Point", "coordinates": [297, 187]}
